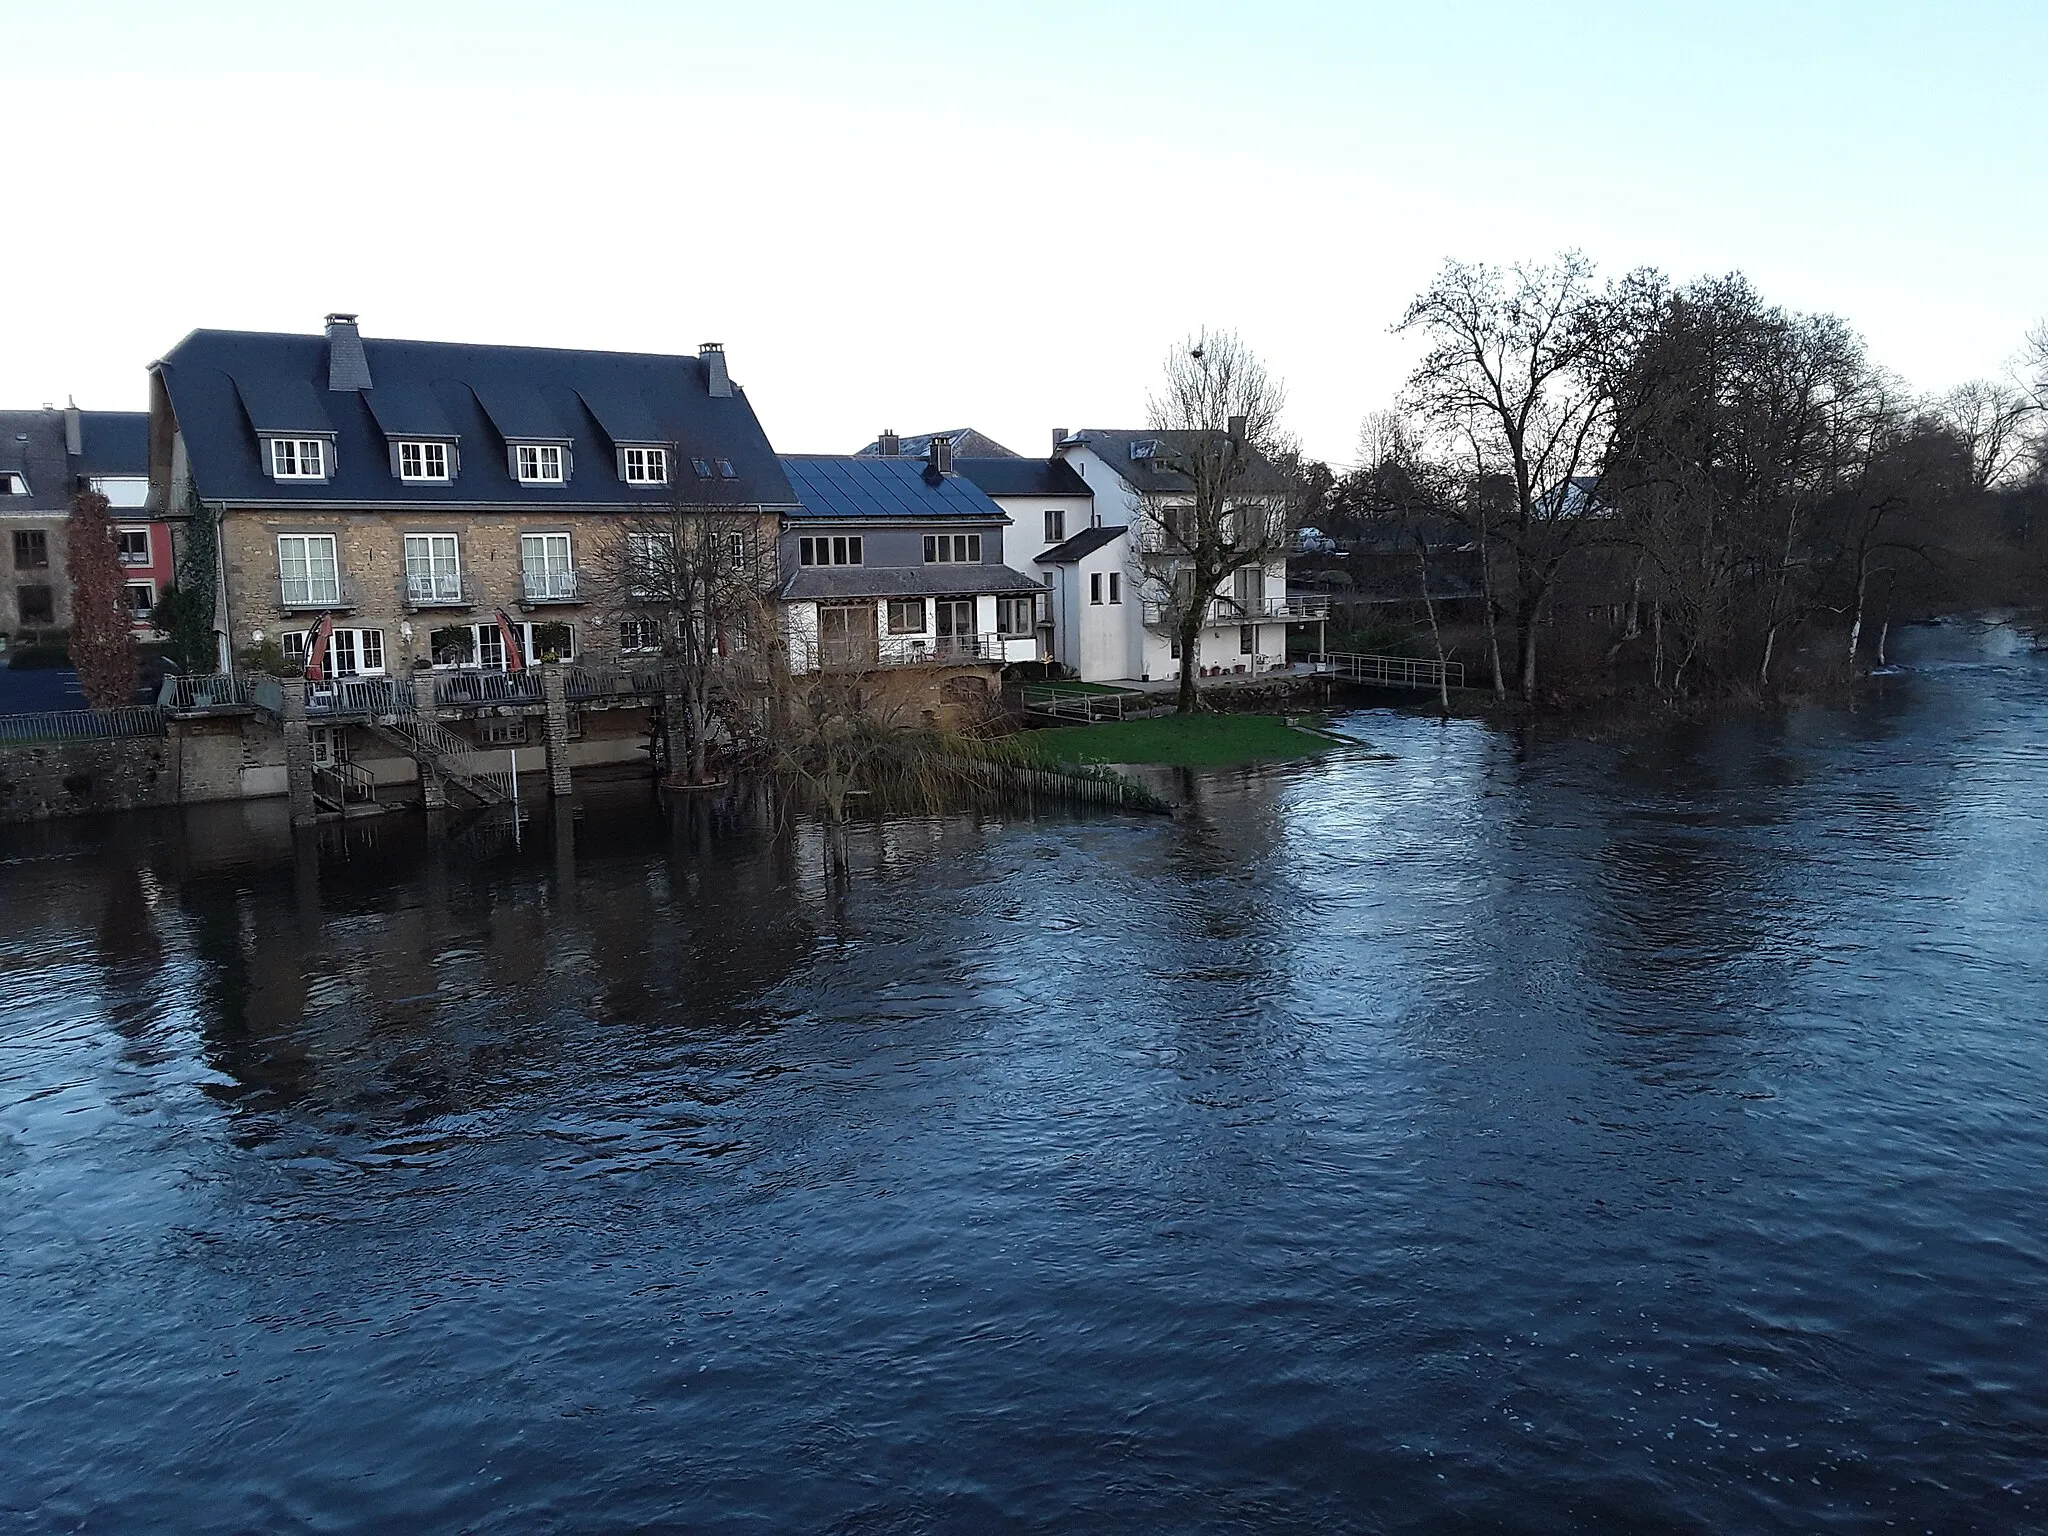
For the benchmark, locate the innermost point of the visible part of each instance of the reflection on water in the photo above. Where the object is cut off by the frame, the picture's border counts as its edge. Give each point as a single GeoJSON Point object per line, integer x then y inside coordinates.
{"type": "Point", "coordinates": [1459, 1130]}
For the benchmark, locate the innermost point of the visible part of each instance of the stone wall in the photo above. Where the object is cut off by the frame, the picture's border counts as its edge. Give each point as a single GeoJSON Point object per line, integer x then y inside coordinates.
{"type": "Point", "coordinates": [230, 757]}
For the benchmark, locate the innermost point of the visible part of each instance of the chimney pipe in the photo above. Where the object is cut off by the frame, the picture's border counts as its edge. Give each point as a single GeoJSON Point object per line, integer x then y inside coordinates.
{"type": "Point", "coordinates": [716, 379]}
{"type": "Point", "coordinates": [1059, 438]}
{"type": "Point", "coordinates": [942, 454]}
{"type": "Point", "coordinates": [347, 366]}
{"type": "Point", "coordinates": [74, 428]}
{"type": "Point", "coordinates": [889, 445]}
{"type": "Point", "coordinates": [1237, 431]}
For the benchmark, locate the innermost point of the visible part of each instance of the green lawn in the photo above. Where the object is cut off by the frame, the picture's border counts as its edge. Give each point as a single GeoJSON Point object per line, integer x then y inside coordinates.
{"type": "Point", "coordinates": [1182, 741]}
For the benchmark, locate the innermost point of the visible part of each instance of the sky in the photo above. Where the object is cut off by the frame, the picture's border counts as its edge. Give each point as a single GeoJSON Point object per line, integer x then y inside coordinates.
{"type": "Point", "coordinates": [1004, 216]}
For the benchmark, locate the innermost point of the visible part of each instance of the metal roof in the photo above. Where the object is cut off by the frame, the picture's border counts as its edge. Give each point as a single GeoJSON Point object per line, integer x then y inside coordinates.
{"type": "Point", "coordinates": [965, 441]}
{"type": "Point", "coordinates": [440, 389]}
{"type": "Point", "coordinates": [1023, 477]}
{"type": "Point", "coordinates": [113, 442]}
{"type": "Point", "coordinates": [1081, 545]}
{"type": "Point", "coordinates": [848, 488]}
{"type": "Point", "coordinates": [1150, 476]}
{"type": "Point", "coordinates": [808, 583]}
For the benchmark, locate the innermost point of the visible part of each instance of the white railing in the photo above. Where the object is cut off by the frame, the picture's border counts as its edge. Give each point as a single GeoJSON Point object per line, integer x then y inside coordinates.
{"type": "Point", "coordinates": [1068, 703]}
{"type": "Point", "coordinates": [316, 592]}
{"type": "Point", "coordinates": [1390, 671]}
{"type": "Point", "coordinates": [1220, 612]}
{"type": "Point", "coordinates": [204, 691]}
{"type": "Point", "coordinates": [548, 586]}
{"type": "Point", "coordinates": [858, 653]}
{"type": "Point", "coordinates": [438, 590]}
{"type": "Point", "coordinates": [359, 696]}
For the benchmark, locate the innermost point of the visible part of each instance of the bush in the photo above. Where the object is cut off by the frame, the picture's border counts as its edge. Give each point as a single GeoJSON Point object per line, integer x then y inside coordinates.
{"type": "Point", "coordinates": [1038, 672]}
{"type": "Point", "coordinates": [266, 657]}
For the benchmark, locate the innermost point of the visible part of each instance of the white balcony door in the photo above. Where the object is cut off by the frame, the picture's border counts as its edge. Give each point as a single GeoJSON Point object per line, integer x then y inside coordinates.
{"type": "Point", "coordinates": [1248, 586]}
{"type": "Point", "coordinates": [433, 568]}
{"type": "Point", "coordinates": [544, 559]}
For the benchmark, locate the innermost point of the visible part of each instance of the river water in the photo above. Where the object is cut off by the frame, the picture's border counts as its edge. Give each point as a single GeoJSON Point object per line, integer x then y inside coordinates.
{"type": "Point", "coordinates": [1456, 1132]}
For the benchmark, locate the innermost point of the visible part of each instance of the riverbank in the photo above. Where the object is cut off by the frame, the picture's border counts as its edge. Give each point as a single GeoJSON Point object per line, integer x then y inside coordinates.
{"type": "Point", "coordinates": [1180, 741]}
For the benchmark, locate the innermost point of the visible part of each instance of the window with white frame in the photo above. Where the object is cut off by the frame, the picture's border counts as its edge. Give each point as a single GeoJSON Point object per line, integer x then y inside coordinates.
{"type": "Point", "coordinates": [298, 458]}
{"type": "Point", "coordinates": [906, 616]}
{"type": "Point", "coordinates": [13, 484]}
{"type": "Point", "coordinates": [309, 570]}
{"type": "Point", "coordinates": [542, 638]}
{"type": "Point", "coordinates": [836, 549]}
{"type": "Point", "coordinates": [547, 573]}
{"type": "Point", "coordinates": [350, 652]}
{"type": "Point", "coordinates": [1055, 525]}
{"type": "Point", "coordinates": [952, 549]}
{"type": "Point", "coordinates": [1016, 616]}
{"type": "Point", "coordinates": [133, 546]}
{"type": "Point", "coordinates": [433, 568]}
{"type": "Point", "coordinates": [730, 550]}
{"type": "Point", "coordinates": [646, 466]}
{"type": "Point", "coordinates": [539, 463]}
{"type": "Point", "coordinates": [639, 635]}
{"type": "Point", "coordinates": [139, 597]}
{"type": "Point", "coordinates": [509, 732]}
{"type": "Point", "coordinates": [423, 461]}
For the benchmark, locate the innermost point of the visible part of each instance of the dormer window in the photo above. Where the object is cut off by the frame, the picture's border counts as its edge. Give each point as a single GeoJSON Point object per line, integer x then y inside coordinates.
{"type": "Point", "coordinates": [645, 466]}
{"type": "Point", "coordinates": [539, 464]}
{"type": "Point", "coordinates": [423, 461]}
{"type": "Point", "coordinates": [298, 458]}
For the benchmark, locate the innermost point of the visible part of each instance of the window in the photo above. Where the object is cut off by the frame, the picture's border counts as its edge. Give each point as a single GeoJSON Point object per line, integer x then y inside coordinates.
{"type": "Point", "coordinates": [726, 471]}
{"type": "Point", "coordinates": [292, 643]}
{"type": "Point", "coordinates": [36, 605]}
{"type": "Point", "coordinates": [1116, 586]}
{"type": "Point", "coordinates": [730, 550]}
{"type": "Point", "coordinates": [355, 653]}
{"type": "Point", "coordinates": [133, 546]}
{"type": "Point", "coordinates": [1179, 523]}
{"type": "Point", "coordinates": [31, 549]}
{"type": "Point", "coordinates": [539, 464]}
{"type": "Point", "coordinates": [12, 484]}
{"type": "Point", "coordinates": [538, 641]}
{"type": "Point", "coordinates": [639, 635]}
{"type": "Point", "coordinates": [1247, 639]}
{"type": "Point", "coordinates": [952, 548]}
{"type": "Point", "coordinates": [298, 458]}
{"type": "Point", "coordinates": [433, 568]}
{"type": "Point", "coordinates": [309, 570]}
{"type": "Point", "coordinates": [1016, 615]}
{"type": "Point", "coordinates": [473, 645]}
{"type": "Point", "coordinates": [122, 490]}
{"type": "Point", "coordinates": [646, 466]}
{"type": "Point", "coordinates": [1095, 587]}
{"type": "Point", "coordinates": [139, 597]}
{"type": "Point", "coordinates": [501, 732]}
{"type": "Point", "coordinates": [546, 572]}
{"type": "Point", "coordinates": [423, 461]}
{"type": "Point", "coordinates": [906, 616]}
{"type": "Point", "coordinates": [703, 468]}
{"type": "Point", "coordinates": [1055, 526]}
{"type": "Point", "coordinates": [839, 549]}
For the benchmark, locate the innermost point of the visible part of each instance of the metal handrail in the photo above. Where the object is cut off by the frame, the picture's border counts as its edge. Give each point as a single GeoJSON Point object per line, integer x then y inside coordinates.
{"type": "Point", "coordinates": [190, 693]}
{"type": "Point", "coordinates": [360, 696]}
{"type": "Point", "coordinates": [1390, 671]}
{"type": "Point", "coordinates": [83, 724]}
{"type": "Point", "coordinates": [548, 586]}
{"type": "Point", "coordinates": [431, 591]}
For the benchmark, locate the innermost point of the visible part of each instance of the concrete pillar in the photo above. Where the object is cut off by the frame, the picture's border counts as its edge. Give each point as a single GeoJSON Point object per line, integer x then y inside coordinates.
{"type": "Point", "coordinates": [298, 751]}
{"type": "Point", "coordinates": [554, 688]}
{"type": "Point", "coordinates": [433, 793]}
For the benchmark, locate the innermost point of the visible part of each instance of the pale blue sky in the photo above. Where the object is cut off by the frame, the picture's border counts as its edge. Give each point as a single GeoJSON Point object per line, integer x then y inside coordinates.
{"type": "Point", "coordinates": [918, 215]}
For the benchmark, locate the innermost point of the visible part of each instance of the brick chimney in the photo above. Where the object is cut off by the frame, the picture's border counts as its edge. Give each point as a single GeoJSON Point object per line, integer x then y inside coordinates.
{"type": "Point", "coordinates": [347, 367]}
{"type": "Point", "coordinates": [716, 379]}
{"type": "Point", "coordinates": [941, 454]}
{"type": "Point", "coordinates": [1059, 438]}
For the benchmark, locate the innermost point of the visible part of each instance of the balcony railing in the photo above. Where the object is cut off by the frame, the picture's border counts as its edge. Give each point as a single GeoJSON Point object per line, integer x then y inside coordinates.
{"type": "Point", "coordinates": [439, 590]}
{"type": "Point", "coordinates": [858, 653]}
{"type": "Point", "coordinates": [466, 687]}
{"type": "Point", "coordinates": [1222, 611]}
{"type": "Point", "coordinates": [322, 593]}
{"type": "Point", "coordinates": [358, 696]}
{"type": "Point", "coordinates": [548, 587]}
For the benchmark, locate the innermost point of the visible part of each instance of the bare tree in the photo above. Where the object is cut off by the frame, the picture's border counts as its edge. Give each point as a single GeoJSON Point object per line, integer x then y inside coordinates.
{"type": "Point", "coordinates": [1991, 421]}
{"type": "Point", "coordinates": [1517, 382]}
{"type": "Point", "coordinates": [1227, 509]}
{"type": "Point", "coordinates": [696, 586]}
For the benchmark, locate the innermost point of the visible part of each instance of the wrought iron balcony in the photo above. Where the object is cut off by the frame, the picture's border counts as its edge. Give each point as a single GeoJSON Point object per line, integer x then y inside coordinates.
{"type": "Point", "coordinates": [438, 589]}
{"type": "Point", "coordinates": [320, 592]}
{"type": "Point", "coordinates": [548, 587]}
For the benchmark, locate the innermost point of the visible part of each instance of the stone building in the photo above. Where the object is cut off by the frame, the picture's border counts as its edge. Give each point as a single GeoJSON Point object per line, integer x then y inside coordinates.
{"type": "Point", "coordinates": [421, 522]}
{"type": "Point", "coordinates": [45, 457]}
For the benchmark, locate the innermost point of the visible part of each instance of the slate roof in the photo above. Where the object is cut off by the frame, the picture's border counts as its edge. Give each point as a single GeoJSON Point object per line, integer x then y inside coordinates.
{"type": "Point", "coordinates": [32, 443]}
{"type": "Point", "coordinates": [1081, 545]}
{"type": "Point", "coordinates": [1023, 477]}
{"type": "Point", "coordinates": [1113, 446]}
{"type": "Point", "coordinates": [810, 583]}
{"type": "Point", "coordinates": [849, 488]}
{"type": "Point", "coordinates": [114, 442]}
{"type": "Point", "coordinates": [226, 385]}
{"type": "Point", "coordinates": [967, 443]}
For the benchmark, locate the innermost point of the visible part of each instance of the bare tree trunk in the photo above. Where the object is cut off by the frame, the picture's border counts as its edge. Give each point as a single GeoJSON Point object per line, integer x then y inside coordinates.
{"type": "Point", "coordinates": [1529, 623]}
{"type": "Point", "coordinates": [1500, 686]}
{"type": "Point", "coordinates": [1884, 630]}
{"type": "Point", "coordinates": [1657, 644]}
{"type": "Point", "coordinates": [1436, 634]}
{"type": "Point", "coordinates": [1187, 700]}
